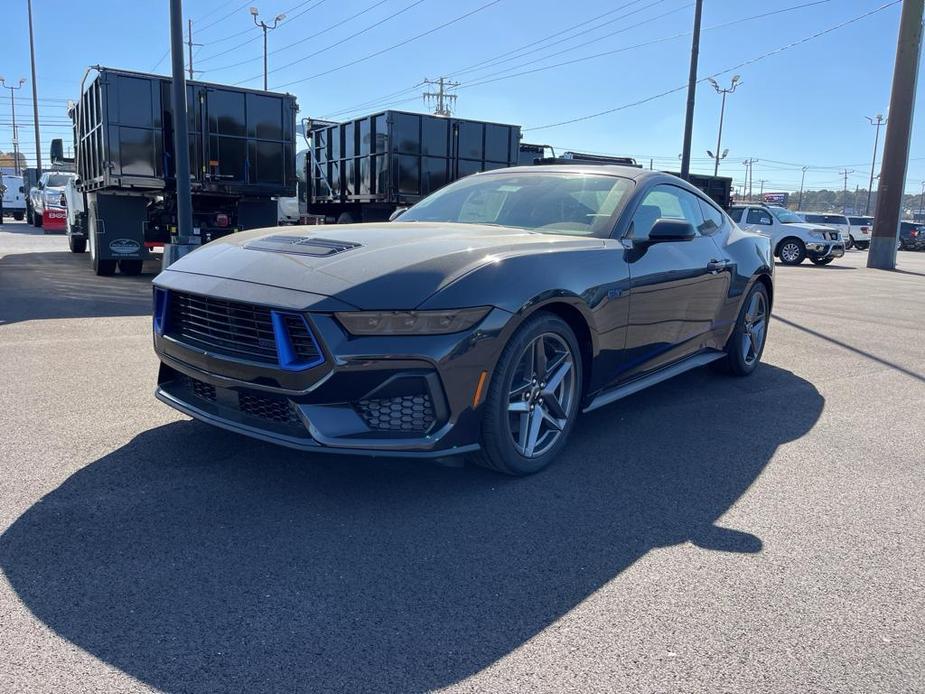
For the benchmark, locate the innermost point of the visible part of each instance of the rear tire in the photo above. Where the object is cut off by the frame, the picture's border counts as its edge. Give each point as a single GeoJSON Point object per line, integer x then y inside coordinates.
{"type": "Point", "coordinates": [18, 216]}
{"type": "Point", "coordinates": [862, 245]}
{"type": "Point", "coordinates": [543, 333]}
{"type": "Point", "coordinates": [746, 344]}
{"type": "Point", "coordinates": [791, 251]}
{"type": "Point", "coordinates": [130, 266]}
{"type": "Point", "coordinates": [76, 245]}
{"type": "Point", "coordinates": [849, 243]}
{"type": "Point", "coordinates": [104, 268]}
{"type": "Point", "coordinates": [36, 220]}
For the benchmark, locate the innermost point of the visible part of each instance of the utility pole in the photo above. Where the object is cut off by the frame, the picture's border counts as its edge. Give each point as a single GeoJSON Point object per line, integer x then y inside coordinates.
{"type": "Point", "coordinates": [882, 253]}
{"type": "Point", "coordinates": [184, 241]}
{"type": "Point", "coordinates": [748, 165]}
{"type": "Point", "coordinates": [761, 192]}
{"type": "Point", "coordinates": [691, 93]}
{"type": "Point", "coordinates": [266, 27]}
{"type": "Point", "coordinates": [922, 201]}
{"type": "Point", "coordinates": [844, 192]}
{"type": "Point", "coordinates": [22, 81]}
{"type": "Point", "coordinates": [802, 180]}
{"type": "Point", "coordinates": [878, 120]}
{"type": "Point", "coordinates": [35, 98]}
{"type": "Point", "coordinates": [736, 81]}
{"type": "Point", "coordinates": [190, 44]}
{"type": "Point", "coordinates": [441, 97]}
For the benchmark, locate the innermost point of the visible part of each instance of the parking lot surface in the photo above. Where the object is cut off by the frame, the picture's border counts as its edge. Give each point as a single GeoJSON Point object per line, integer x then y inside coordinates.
{"type": "Point", "coordinates": [709, 534]}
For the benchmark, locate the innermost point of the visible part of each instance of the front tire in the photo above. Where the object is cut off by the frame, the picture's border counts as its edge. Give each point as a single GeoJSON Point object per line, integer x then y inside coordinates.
{"type": "Point", "coordinates": [792, 251]}
{"type": "Point", "coordinates": [746, 344]}
{"type": "Point", "coordinates": [533, 398]}
{"type": "Point", "coordinates": [821, 261]}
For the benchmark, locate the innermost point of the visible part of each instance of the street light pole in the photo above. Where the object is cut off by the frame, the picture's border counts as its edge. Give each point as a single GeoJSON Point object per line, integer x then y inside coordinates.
{"type": "Point", "coordinates": [736, 81]}
{"type": "Point", "coordinates": [802, 180]}
{"type": "Point", "coordinates": [22, 81]}
{"type": "Point", "coordinates": [266, 27]}
{"type": "Point", "coordinates": [878, 120]}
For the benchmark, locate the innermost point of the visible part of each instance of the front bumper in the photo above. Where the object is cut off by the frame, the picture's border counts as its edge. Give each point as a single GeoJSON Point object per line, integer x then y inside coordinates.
{"type": "Point", "coordinates": [820, 250]}
{"type": "Point", "coordinates": [380, 396]}
{"type": "Point", "coordinates": [54, 219]}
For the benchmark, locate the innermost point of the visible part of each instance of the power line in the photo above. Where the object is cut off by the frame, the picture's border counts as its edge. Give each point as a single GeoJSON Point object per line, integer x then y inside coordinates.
{"type": "Point", "coordinates": [734, 68]}
{"type": "Point", "coordinates": [394, 45]}
{"type": "Point", "coordinates": [302, 40]}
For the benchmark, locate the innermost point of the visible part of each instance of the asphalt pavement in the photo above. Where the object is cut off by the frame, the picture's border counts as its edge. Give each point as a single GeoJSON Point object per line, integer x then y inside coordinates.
{"type": "Point", "coordinates": [709, 534]}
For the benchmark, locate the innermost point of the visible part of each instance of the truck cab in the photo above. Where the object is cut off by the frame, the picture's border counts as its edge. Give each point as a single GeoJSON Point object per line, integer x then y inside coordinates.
{"type": "Point", "coordinates": [792, 239]}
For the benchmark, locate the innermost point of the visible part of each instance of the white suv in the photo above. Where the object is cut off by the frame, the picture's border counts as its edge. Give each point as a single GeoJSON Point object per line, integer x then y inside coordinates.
{"type": "Point", "coordinates": [861, 229]}
{"type": "Point", "coordinates": [792, 239]}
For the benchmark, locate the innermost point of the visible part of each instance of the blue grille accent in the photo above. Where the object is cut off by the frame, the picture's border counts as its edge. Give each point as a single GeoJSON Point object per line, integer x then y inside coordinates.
{"type": "Point", "coordinates": [160, 310]}
{"type": "Point", "coordinates": [296, 347]}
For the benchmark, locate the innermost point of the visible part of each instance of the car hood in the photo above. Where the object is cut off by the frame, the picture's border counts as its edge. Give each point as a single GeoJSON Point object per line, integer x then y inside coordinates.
{"type": "Point", "coordinates": [370, 266]}
{"type": "Point", "coordinates": [807, 227]}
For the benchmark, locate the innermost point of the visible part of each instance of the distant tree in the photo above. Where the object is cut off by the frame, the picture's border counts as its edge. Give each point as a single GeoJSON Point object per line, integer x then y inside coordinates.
{"type": "Point", "coordinates": [8, 160]}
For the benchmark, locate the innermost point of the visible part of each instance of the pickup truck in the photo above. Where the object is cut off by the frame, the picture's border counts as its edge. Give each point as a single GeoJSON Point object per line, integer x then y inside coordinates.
{"type": "Point", "coordinates": [46, 200]}
{"type": "Point", "coordinates": [792, 239]}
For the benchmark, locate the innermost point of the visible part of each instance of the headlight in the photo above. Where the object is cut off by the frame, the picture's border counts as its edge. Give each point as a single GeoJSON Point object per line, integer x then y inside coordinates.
{"type": "Point", "coordinates": [411, 322]}
{"type": "Point", "coordinates": [817, 234]}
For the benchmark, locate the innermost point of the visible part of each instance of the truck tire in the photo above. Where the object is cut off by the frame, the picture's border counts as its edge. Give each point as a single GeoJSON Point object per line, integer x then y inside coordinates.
{"type": "Point", "coordinates": [36, 220]}
{"type": "Point", "coordinates": [130, 266]}
{"type": "Point", "coordinates": [791, 251]}
{"type": "Point", "coordinates": [849, 243]}
{"type": "Point", "coordinates": [28, 214]}
{"type": "Point", "coordinates": [345, 218]}
{"type": "Point", "coordinates": [821, 261]}
{"type": "Point", "coordinates": [104, 268]}
{"type": "Point", "coordinates": [76, 245]}
{"type": "Point", "coordinates": [18, 216]}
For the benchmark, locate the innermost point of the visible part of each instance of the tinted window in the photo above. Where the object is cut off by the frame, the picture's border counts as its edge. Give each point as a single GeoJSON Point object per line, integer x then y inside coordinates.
{"type": "Point", "coordinates": [226, 113]}
{"type": "Point", "coordinates": [834, 219]}
{"type": "Point", "coordinates": [756, 215]}
{"type": "Point", "coordinates": [814, 218]}
{"type": "Point", "coordinates": [736, 213]}
{"type": "Point", "coordinates": [665, 202]}
{"type": "Point", "coordinates": [860, 221]}
{"type": "Point", "coordinates": [712, 218]}
{"type": "Point", "coordinates": [579, 204]}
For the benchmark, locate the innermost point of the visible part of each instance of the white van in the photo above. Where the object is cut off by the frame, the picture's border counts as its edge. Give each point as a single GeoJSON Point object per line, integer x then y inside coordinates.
{"type": "Point", "coordinates": [14, 198]}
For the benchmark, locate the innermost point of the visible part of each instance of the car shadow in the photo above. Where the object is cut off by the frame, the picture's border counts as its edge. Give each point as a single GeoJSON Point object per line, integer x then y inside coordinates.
{"type": "Point", "coordinates": [197, 560]}
{"type": "Point", "coordinates": [62, 285]}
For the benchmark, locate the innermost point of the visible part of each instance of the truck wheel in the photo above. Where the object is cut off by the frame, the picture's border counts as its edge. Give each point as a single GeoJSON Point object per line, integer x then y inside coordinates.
{"type": "Point", "coordinates": [76, 245]}
{"type": "Point", "coordinates": [29, 215]}
{"type": "Point", "coordinates": [863, 245]}
{"type": "Point", "coordinates": [18, 216]}
{"type": "Point", "coordinates": [345, 218]}
{"type": "Point", "coordinates": [36, 220]}
{"type": "Point", "coordinates": [130, 266]}
{"type": "Point", "coordinates": [849, 243]}
{"type": "Point", "coordinates": [791, 251]}
{"type": "Point", "coordinates": [104, 268]}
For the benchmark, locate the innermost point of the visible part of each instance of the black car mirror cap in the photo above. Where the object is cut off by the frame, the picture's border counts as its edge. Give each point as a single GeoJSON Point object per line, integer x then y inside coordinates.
{"type": "Point", "coordinates": [671, 230]}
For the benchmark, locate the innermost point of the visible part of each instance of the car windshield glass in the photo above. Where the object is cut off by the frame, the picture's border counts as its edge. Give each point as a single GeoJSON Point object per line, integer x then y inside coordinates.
{"type": "Point", "coordinates": [785, 216]}
{"type": "Point", "coordinates": [58, 180]}
{"type": "Point", "coordinates": [550, 203]}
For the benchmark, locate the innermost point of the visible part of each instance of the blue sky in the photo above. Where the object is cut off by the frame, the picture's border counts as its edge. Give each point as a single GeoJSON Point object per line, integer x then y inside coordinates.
{"type": "Point", "coordinates": [802, 106]}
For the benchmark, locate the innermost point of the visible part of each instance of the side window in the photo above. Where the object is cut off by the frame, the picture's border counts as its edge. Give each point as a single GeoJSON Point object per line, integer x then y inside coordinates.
{"type": "Point", "coordinates": [758, 216]}
{"type": "Point", "coordinates": [736, 214]}
{"type": "Point", "coordinates": [712, 218]}
{"type": "Point", "coordinates": [665, 202]}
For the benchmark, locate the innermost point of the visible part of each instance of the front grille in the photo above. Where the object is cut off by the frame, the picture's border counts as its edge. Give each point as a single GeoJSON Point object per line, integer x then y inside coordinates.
{"type": "Point", "coordinates": [241, 330]}
{"type": "Point", "coordinates": [206, 391]}
{"type": "Point", "coordinates": [275, 409]}
{"type": "Point", "coordinates": [227, 327]}
{"type": "Point", "coordinates": [407, 413]}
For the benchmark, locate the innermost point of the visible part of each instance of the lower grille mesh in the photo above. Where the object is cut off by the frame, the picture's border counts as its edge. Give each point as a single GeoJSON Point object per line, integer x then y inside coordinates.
{"type": "Point", "coordinates": [275, 409]}
{"type": "Point", "coordinates": [409, 413]}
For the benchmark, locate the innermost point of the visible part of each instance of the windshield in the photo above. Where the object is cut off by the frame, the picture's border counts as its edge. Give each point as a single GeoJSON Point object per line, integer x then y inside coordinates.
{"type": "Point", "coordinates": [57, 180]}
{"type": "Point", "coordinates": [785, 216]}
{"type": "Point", "coordinates": [549, 203]}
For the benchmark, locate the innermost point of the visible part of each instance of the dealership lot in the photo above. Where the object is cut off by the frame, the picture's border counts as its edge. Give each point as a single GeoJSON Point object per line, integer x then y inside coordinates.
{"type": "Point", "coordinates": [709, 534]}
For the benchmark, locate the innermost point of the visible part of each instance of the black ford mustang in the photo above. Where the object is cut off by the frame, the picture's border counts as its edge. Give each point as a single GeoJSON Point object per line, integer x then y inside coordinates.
{"type": "Point", "coordinates": [481, 322]}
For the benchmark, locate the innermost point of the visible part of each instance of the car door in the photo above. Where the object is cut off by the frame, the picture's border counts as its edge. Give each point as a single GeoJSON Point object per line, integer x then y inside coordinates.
{"type": "Point", "coordinates": [677, 288]}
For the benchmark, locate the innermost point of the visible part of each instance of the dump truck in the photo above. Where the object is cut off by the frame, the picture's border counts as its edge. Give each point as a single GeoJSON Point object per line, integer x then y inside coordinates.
{"type": "Point", "coordinates": [364, 169]}
{"type": "Point", "coordinates": [241, 150]}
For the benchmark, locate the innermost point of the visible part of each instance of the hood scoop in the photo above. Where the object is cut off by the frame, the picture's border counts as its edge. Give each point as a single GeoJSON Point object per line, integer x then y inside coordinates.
{"type": "Point", "coordinates": [300, 245]}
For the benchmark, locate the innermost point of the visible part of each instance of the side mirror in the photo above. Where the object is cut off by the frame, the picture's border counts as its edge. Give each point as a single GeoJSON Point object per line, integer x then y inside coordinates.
{"type": "Point", "coordinates": [397, 213]}
{"type": "Point", "coordinates": [57, 150]}
{"type": "Point", "coordinates": [671, 230]}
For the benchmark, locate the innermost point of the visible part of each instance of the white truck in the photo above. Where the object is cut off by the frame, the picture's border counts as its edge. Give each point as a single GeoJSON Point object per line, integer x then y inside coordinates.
{"type": "Point", "coordinates": [14, 199]}
{"type": "Point", "coordinates": [792, 239]}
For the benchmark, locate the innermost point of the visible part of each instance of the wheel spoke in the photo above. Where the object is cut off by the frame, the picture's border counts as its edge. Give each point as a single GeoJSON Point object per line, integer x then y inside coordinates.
{"type": "Point", "coordinates": [557, 423]}
{"type": "Point", "coordinates": [556, 378]}
{"type": "Point", "coordinates": [524, 430]}
{"type": "Point", "coordinates": [539, 357]}
{"type": "Point", "coordinates": [533, 435]}
{"type": "Point", "coordinates": [519, 406]}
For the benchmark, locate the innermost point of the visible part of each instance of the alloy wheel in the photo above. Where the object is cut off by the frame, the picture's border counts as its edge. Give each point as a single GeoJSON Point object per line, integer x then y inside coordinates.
{"type": "Point", "coordinates": [543, 394]}
{"type": "Point", "coordinates": [754, 328]}
{"type": "Point", "coordinates": [790, 252]}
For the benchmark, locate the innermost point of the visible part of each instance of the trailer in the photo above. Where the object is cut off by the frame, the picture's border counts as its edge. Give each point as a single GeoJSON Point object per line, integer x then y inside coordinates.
{"type": "Point", "coordinates": [363, 170]}
{"type": "Point", "coordinates": [241, 150]}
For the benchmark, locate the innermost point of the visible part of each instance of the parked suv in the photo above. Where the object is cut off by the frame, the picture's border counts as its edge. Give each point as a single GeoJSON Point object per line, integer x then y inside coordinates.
{"type": "Point", "coordinates": [861, 229]}
{"type": "Point", "coordinates": [836, 221]}
{"type": "Point", "coordinates": [792, 239]}
{"type": "Point", "coordinates": [912, 236]}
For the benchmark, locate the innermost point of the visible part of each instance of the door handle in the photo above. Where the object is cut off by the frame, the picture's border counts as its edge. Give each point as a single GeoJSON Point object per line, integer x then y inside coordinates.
{"type": "Point", "coordinates": [716, 266]}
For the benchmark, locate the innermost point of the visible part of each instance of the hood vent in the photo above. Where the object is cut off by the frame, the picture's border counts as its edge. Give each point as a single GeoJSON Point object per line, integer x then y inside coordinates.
{"type": "Point", "coordinates": [300, 245]}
